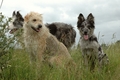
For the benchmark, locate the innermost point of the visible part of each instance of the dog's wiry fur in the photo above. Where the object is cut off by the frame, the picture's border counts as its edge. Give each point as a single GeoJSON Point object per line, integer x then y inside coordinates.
{"type": "Point", "coordinates": [42, 45]}
{"type": "Point", "coordinates": [91, 50]}
{"type": "Point", "coordinates": [64, 32]}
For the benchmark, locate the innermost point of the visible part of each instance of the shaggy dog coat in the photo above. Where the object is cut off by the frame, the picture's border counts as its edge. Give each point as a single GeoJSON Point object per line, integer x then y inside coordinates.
{"type": "Point", "coordinates": [42, 45]}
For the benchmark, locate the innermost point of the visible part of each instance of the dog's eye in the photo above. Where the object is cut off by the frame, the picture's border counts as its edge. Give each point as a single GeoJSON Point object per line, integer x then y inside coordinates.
{"type": "Point", "coordinates": [14, 23]}
{"type": "Point", "coordinates": [34, 20]}
{"type": "Point", "coordinates": [89, 27]}
{"type": "Point", "coordinates": [82, 26]}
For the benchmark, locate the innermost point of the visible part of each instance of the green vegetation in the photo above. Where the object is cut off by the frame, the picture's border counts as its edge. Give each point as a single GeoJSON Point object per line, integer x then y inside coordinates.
{"type": "Point", "coordinates": [15, 63]}
{"type": "Point", "coordinates": [5, 45]}
{"type": "Point", "coordinates": [20, 68]}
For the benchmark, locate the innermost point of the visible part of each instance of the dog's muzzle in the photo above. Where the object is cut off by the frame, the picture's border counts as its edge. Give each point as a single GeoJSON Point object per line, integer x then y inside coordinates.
{"type": "Point", "coordinates": [13, 30]}
{"type": "Point", "coordinates": [37, 29]}
{"type": "Point", "coordinates": [85, 36]}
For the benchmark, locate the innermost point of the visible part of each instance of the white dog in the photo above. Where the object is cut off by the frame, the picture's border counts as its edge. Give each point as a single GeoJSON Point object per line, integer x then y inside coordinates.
{"type": "Point", "coordinates": [42, 45]}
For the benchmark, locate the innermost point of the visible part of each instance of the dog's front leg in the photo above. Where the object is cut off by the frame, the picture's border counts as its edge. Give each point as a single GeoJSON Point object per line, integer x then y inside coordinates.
{"type": "Point", "coordinates": [32, 58]}
{"type": "Point", "coordinates": [85, 59]}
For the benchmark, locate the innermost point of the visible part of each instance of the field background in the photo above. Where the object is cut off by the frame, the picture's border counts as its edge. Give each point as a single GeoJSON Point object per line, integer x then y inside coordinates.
{"type": "Point", "coordinates": [19, 68]}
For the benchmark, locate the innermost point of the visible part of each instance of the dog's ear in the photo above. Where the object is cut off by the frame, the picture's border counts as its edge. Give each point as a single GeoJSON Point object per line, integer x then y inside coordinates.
{"type": "Point", "coordinates": [26, 17]}
{"type": "Point", "coordinates": [13, 14]}
{"type": "Point", "coordinates": [80, 20]}
{"type": "Point", "coordinates": [19, 16]}
{"type": "Point", "coordinates": [90, 18]}
{"type": "Point", "coordinates": [52, 28]}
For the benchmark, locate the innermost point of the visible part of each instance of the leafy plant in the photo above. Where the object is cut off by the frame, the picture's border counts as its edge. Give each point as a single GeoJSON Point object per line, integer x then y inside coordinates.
{"type": "Point", "coordinates": [5, 44]}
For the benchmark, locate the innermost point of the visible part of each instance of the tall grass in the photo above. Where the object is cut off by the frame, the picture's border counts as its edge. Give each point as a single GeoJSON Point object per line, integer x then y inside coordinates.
{"type": "Point", "coordinates": [15, 64]}
{"type": "Point", "coordinates": [21, 69]}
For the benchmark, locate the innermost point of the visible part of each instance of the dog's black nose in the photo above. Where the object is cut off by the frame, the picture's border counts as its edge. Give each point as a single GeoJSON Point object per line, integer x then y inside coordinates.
{"type": "Point", "coordinates": [85, 32]}
{"type": "Point", "coordinates": [39, 26]}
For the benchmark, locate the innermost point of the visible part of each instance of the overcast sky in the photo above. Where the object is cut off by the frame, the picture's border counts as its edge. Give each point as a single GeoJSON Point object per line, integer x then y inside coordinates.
{"type": "Point", "coordinates": [106, 13]}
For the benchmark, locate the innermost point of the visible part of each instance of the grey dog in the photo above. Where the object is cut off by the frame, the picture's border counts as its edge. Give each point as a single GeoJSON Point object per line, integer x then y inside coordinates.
{"type": "Point", "coordinates": [91, 50]}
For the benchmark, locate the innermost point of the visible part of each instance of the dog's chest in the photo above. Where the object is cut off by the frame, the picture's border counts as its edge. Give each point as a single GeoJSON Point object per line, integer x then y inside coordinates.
{"type": "Point", "coordinates": [34, 43]}
{"type": "Point", "coordinates": [89, 48]}
{"type": "Point", "coordinates": [88, 44]}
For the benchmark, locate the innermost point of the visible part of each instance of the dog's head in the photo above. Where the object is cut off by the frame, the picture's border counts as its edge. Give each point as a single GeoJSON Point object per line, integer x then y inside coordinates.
{"type": "Point", "coordinates": [86, 26]}
{"type": "Point", "coordinates": [33, 22]}
{"type": "Point", "coordinates": [16, 22]}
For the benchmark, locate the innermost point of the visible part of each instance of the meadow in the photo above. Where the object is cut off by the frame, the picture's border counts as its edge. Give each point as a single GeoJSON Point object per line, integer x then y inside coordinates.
{"type": "Point", "coordinates": [19, 67]}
